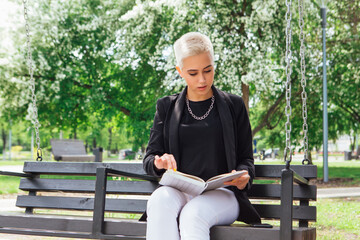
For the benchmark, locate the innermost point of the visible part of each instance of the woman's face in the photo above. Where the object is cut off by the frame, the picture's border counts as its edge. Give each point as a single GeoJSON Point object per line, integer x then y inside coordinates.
{"type": "Point", "coordinates": [198, 72]}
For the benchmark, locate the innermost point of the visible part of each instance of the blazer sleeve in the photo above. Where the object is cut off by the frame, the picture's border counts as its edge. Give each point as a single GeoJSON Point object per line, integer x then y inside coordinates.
{"type": "Point", "coordinates": [245, 159]}
{"type": "Point", "coordinates": [156, 141]}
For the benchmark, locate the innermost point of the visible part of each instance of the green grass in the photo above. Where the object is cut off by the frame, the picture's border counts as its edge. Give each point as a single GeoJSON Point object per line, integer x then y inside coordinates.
{"type": "Point", "coordinates": [342, 170]}
{"type": "Point", "coordinates": [9, 185]}
{"type": "Point", "coordinates": [12, 163]}
{"type": "Point", "coordinates": [338, 219]}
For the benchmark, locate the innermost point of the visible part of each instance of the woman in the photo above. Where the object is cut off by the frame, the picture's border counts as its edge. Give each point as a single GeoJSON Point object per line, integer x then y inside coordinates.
{"type": "Point", "coordinates": [204, 132]}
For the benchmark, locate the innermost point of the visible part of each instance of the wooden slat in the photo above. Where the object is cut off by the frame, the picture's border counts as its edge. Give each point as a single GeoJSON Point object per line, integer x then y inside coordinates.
{"type": "Point", "coordinates": [81, 203]}
{"type": "Point", "coordinates": [72, 224]}
{"type": "Point", "coordinates": [273, 191]}
{"type": "Point", "coordinates": [62, 147]}
{"type": "Point", "coordinates": [268, 191]}
{"type": "Point", "coordinates": [76, 158]}
{"type": "Point", "coordinates": [273, 211]}
{"type": "Point", "coordinates": [262, 171]}
{"type": "Point", "coordinates": [249, 233]}
{"type": "Point", "coordinates": [32, 232]}
{"type": "Point", "coordinates": [135, 228]}
{"type": "Point", "coordinates": [139, 206]}
{"type": "Point", "coordinates": [274, 171]}
{"type": "Point", "coordinates": [74, 168]}
{"type": "Point", "coordinates": [87, 186]}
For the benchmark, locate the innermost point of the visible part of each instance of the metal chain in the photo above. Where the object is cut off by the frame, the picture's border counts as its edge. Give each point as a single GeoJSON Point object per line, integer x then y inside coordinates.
{"type": "Point", "coordinates": [206, 114]}
{"type": "Point", "coordinates": [303, 81]}
{"type": "Point", "coordinates": [32, 82]}
{"type": "Point", "coordinates": [288, 71]}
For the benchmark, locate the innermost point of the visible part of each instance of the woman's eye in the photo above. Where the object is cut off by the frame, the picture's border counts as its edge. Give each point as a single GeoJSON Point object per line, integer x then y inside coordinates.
{"type": "Point", "coordinates": [194, 74]}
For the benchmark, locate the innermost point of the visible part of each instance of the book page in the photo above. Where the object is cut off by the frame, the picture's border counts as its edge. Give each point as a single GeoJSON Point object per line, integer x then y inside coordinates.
{"type": "Point", "coordinates": [218, 181]}
{"type": "Point", "coordinates": [186, 175]}
{"type": "Point", "coordinates": [182, 182]}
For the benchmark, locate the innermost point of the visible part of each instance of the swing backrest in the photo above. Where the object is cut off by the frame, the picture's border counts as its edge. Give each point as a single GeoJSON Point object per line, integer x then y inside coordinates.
{"type": "Point", "coordinates": [68, 148]}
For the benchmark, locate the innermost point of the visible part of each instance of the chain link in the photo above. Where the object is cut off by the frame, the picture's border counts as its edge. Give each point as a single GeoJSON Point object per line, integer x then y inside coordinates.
{"type": "Point", "coordinates": [303, 81]}
{"type": "Point", "coordinates": [288, 72]}
{"type": "Point", "coordinates": [206, 114]}
{"type": "Point", "coordinates": [32, 82]}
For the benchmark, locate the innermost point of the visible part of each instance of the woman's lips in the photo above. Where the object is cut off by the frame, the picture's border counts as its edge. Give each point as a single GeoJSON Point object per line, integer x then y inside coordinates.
{"type": "Point", "coordinates": [202, 88]}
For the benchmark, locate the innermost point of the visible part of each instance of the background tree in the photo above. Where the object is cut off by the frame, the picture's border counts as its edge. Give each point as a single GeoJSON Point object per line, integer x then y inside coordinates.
{"type": "Point", "coordinates": [101, 65]}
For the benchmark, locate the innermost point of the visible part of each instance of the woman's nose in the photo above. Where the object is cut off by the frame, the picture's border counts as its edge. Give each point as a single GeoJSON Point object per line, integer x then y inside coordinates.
{"type": "Point", "coordinates": [202, 78]}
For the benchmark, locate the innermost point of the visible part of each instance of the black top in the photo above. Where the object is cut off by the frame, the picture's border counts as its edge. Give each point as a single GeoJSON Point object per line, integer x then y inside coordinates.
{"type": "Point", "coordinates": [237, 137]}
{"type": "Point", "coordinates": [201, 143]}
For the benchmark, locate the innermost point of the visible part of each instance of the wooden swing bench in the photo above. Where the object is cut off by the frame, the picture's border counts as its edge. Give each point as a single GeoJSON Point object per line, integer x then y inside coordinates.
{"type": "Point", "coordinates": [70, 150]}
{"type": "Point", "coordinates": [103, 194]}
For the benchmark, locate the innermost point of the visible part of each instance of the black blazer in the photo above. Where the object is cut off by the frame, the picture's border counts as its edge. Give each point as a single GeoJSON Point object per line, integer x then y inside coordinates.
{"type": "Point", "coordinates": [237, 140]}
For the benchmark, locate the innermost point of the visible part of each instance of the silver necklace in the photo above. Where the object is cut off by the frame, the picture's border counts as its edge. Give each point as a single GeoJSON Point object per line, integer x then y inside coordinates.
{"type": "Point", "coordinates": [206, 114]}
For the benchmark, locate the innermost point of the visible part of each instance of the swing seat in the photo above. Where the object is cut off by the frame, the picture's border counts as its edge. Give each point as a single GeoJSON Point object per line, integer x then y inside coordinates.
{"type": "Point", "coordinates": [86, 202]}
{"type": "Point", "coordinates": [70, 150]}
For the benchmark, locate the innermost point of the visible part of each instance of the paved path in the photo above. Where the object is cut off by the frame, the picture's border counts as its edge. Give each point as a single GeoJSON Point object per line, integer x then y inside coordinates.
{"type": "Point", "coordinates": [15, 168]}
{"type": "Point", "coordinates": [340, 192]}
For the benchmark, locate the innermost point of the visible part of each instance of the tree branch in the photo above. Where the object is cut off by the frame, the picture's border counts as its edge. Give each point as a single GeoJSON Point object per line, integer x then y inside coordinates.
{"type": "Point", "coordinates": [272, 110]}
{"type": "Point", "coordinates": [348, 109]}
{"type": "Point", "coordinates": [87, 86]}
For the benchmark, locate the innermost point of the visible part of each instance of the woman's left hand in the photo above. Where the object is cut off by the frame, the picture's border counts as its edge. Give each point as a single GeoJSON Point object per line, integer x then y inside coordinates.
{"type": "Point", "coordinates": [239, 182]}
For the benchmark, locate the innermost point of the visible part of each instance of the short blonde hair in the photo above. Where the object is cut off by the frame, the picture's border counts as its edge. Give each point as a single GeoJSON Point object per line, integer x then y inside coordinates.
{"type": "Point", "coordinates": [191, 44]}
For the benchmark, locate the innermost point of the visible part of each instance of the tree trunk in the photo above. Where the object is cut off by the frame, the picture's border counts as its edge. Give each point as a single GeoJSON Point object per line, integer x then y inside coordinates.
{"type": "Point", "coordinates": [245, 95]}
{"type": "Point", "coordinates": [143, 149]}
{"type": "Point", "coordinates": [3, 135]}
{"type": "Point", "coordinates": [86, 146]}
{"type": "Point", "coordinates": [352, 143]}
{"type": "Point", "coordinates": [110, 141]}
{"type": "Point", "coordinates": [310, 156]}
{"type": "Point", "coordinates": [75, 134]}
{"type": "Point", "coordinates": [94, 142]}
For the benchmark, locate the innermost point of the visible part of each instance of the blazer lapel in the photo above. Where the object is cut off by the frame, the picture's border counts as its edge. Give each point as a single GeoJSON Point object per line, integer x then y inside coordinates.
{"type": "Point", "coordinates": [227, 123]}
{"type": "Point", "coordinates": [174, 125]}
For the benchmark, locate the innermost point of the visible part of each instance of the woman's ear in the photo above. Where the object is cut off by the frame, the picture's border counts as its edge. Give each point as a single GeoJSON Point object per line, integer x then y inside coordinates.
{"type": "Point", "coordinates": [179, 71]}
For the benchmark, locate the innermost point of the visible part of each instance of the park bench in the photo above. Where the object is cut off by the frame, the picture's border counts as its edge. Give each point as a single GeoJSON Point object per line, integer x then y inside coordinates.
{"type": "Point", "coordinates": [102, 194]}
{"type": "Point", "coordinates": [72, 150]}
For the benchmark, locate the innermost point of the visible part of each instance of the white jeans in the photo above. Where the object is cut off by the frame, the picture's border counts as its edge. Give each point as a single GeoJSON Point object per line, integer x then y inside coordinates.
{"type": "Point", "coordinates": [196, 214]}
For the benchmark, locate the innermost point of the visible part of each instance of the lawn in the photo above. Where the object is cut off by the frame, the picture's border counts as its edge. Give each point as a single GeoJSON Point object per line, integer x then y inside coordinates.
{"type": "Point", "coordinates": [9, 185]}
{"type": "Point", "coordinates": [12, 163]}
{"type": "Point", "coordinates": [338, 219]}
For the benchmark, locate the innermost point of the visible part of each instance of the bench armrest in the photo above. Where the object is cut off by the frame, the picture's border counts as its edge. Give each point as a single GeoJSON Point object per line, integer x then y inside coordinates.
{"type": "Point", "coordinates": [115, 172]}
{"type": "Point", "coordinates": [299, 179]}
{"type": "Point", "coordinates": [288, 177]}
{"type": "Point", "coordinates": [100, 195]}
{"type": "Point", "coordinates": [17, 174]}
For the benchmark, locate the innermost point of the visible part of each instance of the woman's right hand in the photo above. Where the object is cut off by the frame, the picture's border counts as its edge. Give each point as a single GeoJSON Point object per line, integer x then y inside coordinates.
{"type": "Point", "coordinates": [166, 161]}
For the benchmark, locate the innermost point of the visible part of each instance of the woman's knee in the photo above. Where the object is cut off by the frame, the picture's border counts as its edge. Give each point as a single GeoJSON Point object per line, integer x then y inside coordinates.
{"type": "Point", "coordinates": [193, 223]}
{"type": "Point", "coordinates": [166, 198]}
{"type": "Point", "coordinates": [194, 215]}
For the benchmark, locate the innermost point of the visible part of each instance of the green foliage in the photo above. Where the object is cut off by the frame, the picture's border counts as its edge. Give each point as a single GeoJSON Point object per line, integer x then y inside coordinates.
{"type": "Point", "coordinates": [101, 65]}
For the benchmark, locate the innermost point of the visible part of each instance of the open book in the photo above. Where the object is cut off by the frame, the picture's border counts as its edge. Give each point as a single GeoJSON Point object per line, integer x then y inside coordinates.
{"type": "Point", "coordinates": [194, 185]}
